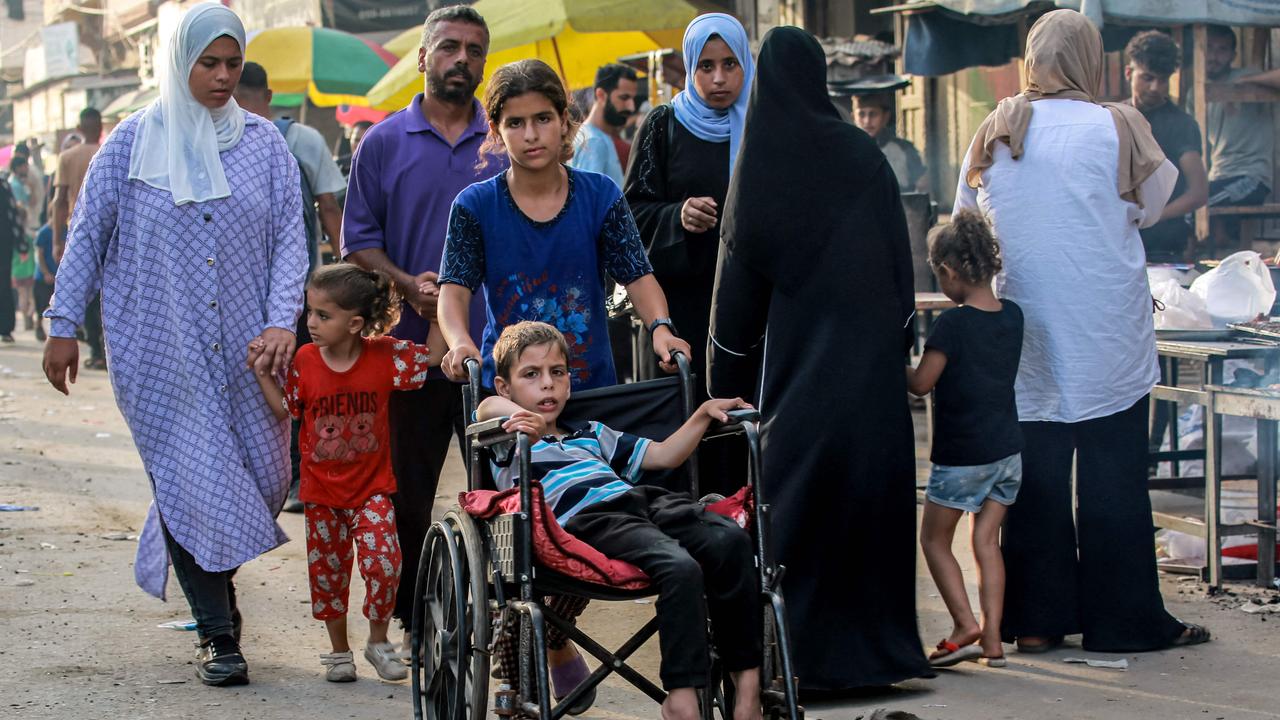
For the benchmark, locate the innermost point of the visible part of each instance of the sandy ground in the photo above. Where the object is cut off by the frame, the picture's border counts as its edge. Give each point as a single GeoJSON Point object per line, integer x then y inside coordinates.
{"type": "Point", "coordinates": [81, 641]}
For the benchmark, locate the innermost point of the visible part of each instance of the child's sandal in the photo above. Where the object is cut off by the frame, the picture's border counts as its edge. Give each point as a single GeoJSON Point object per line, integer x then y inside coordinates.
{"type": "Point", "coordinates": [950, 654]}
{"type": "Point", "coordinates": [339, 667]}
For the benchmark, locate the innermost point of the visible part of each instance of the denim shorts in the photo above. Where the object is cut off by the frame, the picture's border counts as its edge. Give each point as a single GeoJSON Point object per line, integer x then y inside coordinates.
{"type": "Point", "coordinates": [966, 487]}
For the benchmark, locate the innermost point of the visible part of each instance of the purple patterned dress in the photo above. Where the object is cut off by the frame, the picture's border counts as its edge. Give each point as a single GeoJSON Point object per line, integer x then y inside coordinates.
{"type": "Point", "coordinates": [184, 290]}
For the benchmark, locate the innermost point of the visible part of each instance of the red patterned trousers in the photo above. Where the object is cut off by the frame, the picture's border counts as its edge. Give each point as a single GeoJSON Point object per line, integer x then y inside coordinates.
{"type": "Point", "coordinates": [335, 537]}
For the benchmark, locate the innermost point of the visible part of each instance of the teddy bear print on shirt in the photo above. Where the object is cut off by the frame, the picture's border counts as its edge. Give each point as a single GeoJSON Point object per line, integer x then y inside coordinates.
{"type": "Point", "coordinates": [363, 440]}
{"type": "Point", "coordinates": [329, 442]}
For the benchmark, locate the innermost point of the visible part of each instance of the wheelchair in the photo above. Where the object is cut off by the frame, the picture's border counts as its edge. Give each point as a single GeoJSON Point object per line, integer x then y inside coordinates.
{"type": "Point", "coordinates": [474, 572]}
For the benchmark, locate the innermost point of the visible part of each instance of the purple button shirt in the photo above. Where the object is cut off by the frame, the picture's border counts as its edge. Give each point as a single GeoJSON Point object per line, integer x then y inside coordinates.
{"type": "Point", "coordinates": [404, 178]}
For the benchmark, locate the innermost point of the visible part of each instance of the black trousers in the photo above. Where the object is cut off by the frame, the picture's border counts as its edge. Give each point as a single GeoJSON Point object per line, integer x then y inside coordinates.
{"type": "Point", "coordinates": [1097, 575]}
{"type": "Point", "coordinates": [423, 424]}
{"type": "Point", "coordinates": [698, 561]}
{"type": "Point", "coordinates": [211, 595]}
{"type": "Point", "coordinates": [8, 308]}
{"type": "Point", "coordinates": [93, 327]}
{"type": "Point", "coordinates": [43, 293]}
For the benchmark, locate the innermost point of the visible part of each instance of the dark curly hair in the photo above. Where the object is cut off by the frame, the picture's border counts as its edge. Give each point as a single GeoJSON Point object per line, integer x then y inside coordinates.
{"type": "Point", "coordinates": [516, 79]}
{"type": "Point", "coordinates": [1154, 51]}
{"type": "Point", "coordinates": [369, 293]}
{"type": "Point", "coordinates": [967, 246]}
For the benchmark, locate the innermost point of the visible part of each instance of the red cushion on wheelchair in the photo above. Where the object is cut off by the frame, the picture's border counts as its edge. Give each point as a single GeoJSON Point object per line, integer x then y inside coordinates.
{"type": "Point", "coordinates": [738, 507]}
{"type": "Point", "coordinates": [553, 546]}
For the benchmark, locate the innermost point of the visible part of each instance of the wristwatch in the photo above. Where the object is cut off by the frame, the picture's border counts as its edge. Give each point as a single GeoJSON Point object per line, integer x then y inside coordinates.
{"type": "Point", "coordinates": [653, 326]}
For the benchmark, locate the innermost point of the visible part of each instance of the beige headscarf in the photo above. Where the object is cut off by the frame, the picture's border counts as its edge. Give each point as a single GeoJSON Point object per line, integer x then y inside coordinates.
{"type": "Point", "coordinates": [1064, 62]}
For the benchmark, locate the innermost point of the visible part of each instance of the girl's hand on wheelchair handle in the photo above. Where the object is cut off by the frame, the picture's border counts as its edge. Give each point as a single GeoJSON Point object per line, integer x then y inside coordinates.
{"type": "Point", "coordinates": [529, 423]}
{"type": "Point", "coordinates": [665, 343]}
{"type": "Point", "coordinates": [454, 362]}
{"type": "Point", "coordinates": [718, 409]}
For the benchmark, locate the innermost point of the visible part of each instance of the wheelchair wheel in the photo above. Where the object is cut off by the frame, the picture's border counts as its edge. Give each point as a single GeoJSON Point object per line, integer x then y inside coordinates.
{"type": "Point", "coordinates": [441, 631]}
{"type": "Point", "coordinates": [478, 613]}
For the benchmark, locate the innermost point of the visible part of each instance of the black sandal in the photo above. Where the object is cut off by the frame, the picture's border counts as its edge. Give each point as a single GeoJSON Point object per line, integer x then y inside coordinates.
{"type": "Point", "coordinates": [96, 363]}
{"type": "Point", "coordinates": [1052, 643]}
{"type": "Point", "coordinates": [1194, 635]}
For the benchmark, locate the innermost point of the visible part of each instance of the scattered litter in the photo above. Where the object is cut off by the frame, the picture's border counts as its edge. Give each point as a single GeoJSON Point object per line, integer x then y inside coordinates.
{"type": "Point", "coordinates": [642, 601]}
{"type": "Point", "coordinates": [118, 536]}
{"type": "Point", "coordinates": [102, 435]}
{"type": "Point", "coordinates": [48, 546]}
{"type": "Point", "coordinates": [933, 705]}
{"type": "Point", "coordinates": [1120, 664]}
{"type": "Point", "coordinates": [5, 507]}
{"type": "Point", "coordinates": [24, 582]}
{"type": "Point", "coordinates": [1254, 609]}
{"type": "Point", "coordinates": [87, 407]}
{"type": "Point", "coordinates": [68, 574]}
{"type": "Point", "coordinates": [178, 625]}
{"type": "Point", "coordinates": [170, 682]}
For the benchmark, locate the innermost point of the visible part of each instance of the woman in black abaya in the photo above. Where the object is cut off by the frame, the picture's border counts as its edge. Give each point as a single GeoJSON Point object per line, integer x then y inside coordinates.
{"type": "Point", "coordinates": [813, 296]}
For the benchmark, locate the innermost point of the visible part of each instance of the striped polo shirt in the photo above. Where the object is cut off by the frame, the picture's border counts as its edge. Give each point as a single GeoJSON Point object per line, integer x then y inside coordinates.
{"type": "Point", "coordinates": [592, 463]}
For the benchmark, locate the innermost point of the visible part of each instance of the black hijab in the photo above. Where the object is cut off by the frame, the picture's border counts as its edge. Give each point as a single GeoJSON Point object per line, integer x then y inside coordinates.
{"type": "Point", "coordinates": [800, 165]}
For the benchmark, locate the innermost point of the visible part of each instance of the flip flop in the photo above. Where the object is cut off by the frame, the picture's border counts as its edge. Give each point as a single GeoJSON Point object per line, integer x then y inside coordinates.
{"type": "Point", "coordinates": [954, 654]}
{"type": "Point", "coordinates": [995, 662]}
{"type": "Point", "coordinates": [1052, 643]}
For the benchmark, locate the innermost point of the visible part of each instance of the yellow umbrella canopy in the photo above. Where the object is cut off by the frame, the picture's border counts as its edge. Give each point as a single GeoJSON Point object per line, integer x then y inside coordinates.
{"type": "Point", "coordinates": [573, 36]}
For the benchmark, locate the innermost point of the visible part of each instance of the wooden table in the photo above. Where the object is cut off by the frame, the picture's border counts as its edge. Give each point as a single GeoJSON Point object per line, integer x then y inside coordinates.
{"type": "Point", "coordinates": [1219, 400]}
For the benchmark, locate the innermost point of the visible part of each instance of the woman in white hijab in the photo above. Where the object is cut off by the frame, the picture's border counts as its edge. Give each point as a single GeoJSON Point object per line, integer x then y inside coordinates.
{"type": "Point", "coordinates": [190, 222]}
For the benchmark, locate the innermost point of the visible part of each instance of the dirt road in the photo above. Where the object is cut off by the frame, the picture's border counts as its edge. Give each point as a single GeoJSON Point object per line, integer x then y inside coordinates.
{"type": "Point", "coordinates": [81, 641]}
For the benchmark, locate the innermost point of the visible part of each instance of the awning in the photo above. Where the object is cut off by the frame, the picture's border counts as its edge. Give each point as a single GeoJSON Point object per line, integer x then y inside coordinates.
{"type": "Point", "coordinates": [946, 36]}
{"type": "Point", "coordinates": [1260, 13]}
{"type": "Point", "coordinates": [130, 102]}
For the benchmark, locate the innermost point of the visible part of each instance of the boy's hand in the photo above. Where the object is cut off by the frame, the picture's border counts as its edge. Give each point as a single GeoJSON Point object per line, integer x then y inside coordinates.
{"type": "Point", "coordinates": [453, 363]}
{"type": "Point", "coordinates": [718, 409]}
{"type": "Point", "coordinates": [664, 344]}
{"type": "Point", "coordinates": [529, 423]}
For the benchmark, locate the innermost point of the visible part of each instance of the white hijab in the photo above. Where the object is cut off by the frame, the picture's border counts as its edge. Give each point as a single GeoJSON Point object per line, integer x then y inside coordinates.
{"type": "Point", "coordinates": [178, 139]}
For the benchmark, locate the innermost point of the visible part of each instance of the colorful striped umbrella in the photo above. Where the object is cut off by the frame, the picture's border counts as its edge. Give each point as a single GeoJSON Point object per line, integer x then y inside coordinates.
{"type": "Point", "coordinates": [330, 66]}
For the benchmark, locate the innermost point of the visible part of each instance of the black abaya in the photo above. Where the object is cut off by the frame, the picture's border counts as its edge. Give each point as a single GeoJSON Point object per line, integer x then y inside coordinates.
{"type": "Point", "coordinates": [815, 252]}
{"type": "Point", "coordinates": [669, 165]}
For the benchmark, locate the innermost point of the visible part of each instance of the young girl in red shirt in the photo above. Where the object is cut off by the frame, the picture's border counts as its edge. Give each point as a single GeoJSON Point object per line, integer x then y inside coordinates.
{"type": "Point", "coordinates": [339, 387]}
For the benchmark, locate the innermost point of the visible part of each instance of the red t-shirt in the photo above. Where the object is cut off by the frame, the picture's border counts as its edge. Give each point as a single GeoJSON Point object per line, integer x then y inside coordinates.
{"type": "Point", "coordinates": [345, 438]}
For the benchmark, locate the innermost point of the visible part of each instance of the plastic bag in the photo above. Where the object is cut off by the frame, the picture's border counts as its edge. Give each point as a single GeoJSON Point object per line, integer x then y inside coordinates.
{"type": "Point", "coordinates": [1238, 290]}
{"type": "Point", "coordinates": [1183, 310]}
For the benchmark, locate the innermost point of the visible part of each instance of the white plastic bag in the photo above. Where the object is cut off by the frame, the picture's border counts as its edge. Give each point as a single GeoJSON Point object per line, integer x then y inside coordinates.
{"type": "Point", "coordinates": [1183, 310]}
{"type": "Point", "coordinates": [1238, 290]}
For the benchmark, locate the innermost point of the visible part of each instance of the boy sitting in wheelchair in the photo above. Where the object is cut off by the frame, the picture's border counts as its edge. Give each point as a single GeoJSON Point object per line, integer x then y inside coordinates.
{"type": "Point", "coordinates": [698, 561]}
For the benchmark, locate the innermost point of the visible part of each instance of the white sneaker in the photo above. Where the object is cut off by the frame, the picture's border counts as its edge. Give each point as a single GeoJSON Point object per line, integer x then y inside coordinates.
{"type": "Point", "coordinates": [339, 667]}
{"type": "Point", "coordinates": [383, 658]}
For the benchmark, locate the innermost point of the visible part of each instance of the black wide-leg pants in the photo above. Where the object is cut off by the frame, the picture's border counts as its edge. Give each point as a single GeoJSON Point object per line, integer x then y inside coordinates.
{"type": "Point", "coordinates": [1094, 574]}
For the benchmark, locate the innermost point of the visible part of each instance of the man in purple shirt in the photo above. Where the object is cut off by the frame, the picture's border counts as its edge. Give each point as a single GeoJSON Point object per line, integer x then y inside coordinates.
{"type": "Point", "coordinates": [404, 179]}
